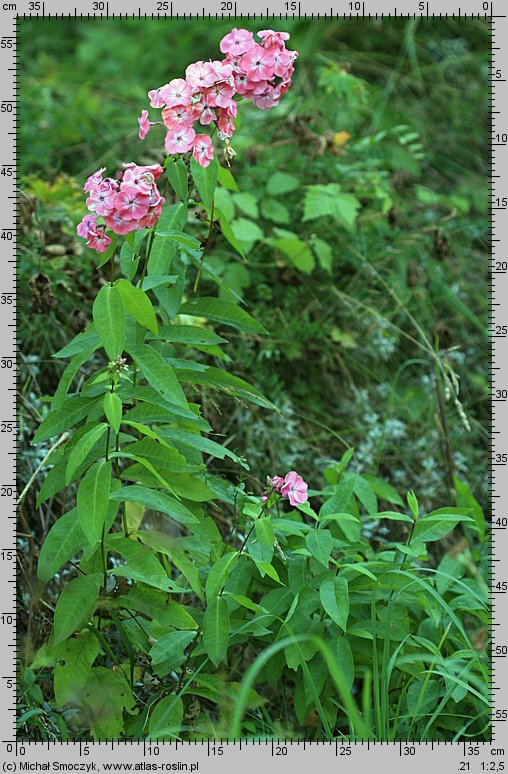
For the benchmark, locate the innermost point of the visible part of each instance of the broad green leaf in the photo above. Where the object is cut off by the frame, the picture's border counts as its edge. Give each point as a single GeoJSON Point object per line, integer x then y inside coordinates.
{"type": "Point", "coordinates": [174, 218]}
{"type": "Point", "coordinates": [74, 409]}
{"type": "Point", "coordinates": [226, 179]}
{"type": "Point", "coordinates": [75, 605]}
{"type": "Point", "coordinates": [166, 719]}
{"type": "Point", "coordinates": [205, 445]}
{"type": "Point", "coordinates": [281, 183]}
{"type": "Point", "coordinates": [109, 697]}
{"type": "Point", "coordinates": [166, 459]}
{"type": "Point", "coordinates": [93, 498]}
{"type": "Point", "coordinates": [177, 176]}
{"type": "Point", "coordinates": [157, 501]}
{"type": "Point", "coordinates": [216, 629]}
{"type": "Point", "coordinates": [340, 500]}
{"type": "Point", "coordinates": [182, 238]}
{"type": "Point", "coordinates": [82, 449]}
{"type": "Point", "coordinates": [467, 501]}
{"type": "Point", "coordinates": [247, 203]}
{"type": "Point", "coordinates": [80, 343]}
{"type": "Point", "coordinates": [219, 379]}
{"type": "Point", "coordinates": [68, 376]}
{"type": "Point", "coordinates": [156, 280]}
{"type": "Point", "coordinates": [62, 542]}
{"type": "Point", "coordinates": [296, 251]}
{"type": "Point", "coordinates": [334, 596]}
{"type": "Point", "coordinates": [227, 231]}
{"type": "Point", "coordinates": [364, 493]}
{"type": "Point", "coordinates": [323, 252]}
{"type": "Point", "coordinates": [167, 545]}
{"type": "Point", "coordinates": [275, 211]}
{"type": "Point", "coordinates": [137, 303]}
{"type": "Point", "coordinates": [73, 668]}
{"type": "Point", "coordinates": [151, 411]}
{"type": "Point", "coordinates": [224, 312]}
{"type": "Point", "coordinates": [384, 490]}
{"type": "Point", "coordinates": [345, 661]}
{"type": "Point", "coordinates": [322, 200]}
{"type": "Point", "coordinates": [159, 374]}
{"type": "Point", "coordinates": [142, 564]}
{"type": "Point", "coordinates": [350, 525]}
{"type": "Point", "coordinates": [112, 405]}
{"type": "Point", "coordinates": [393, 516]}
{"type": "Point", "coordinates": [438, 524]}
{"type": "Point", "coordinates": [219, 574]}
{"type": "Point", "coordinates": [190, 334]}
{"type": "Point", "coordinates": [247, 231]}
{"type": "Point", "coordinates": [109, 320]}
{"type": "Point", "coordinates": [171, 648]}
{"type": "Point", "coordinates": [319, 543]}
{"type": "Point", "coordinates": [261, 547]}
{"type": "Point", "coordinates": [205, 179]}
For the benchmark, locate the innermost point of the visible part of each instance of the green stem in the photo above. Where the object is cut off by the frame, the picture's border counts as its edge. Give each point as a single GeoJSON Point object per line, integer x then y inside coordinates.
{"type": "Point", "coordinates": [205, 249]}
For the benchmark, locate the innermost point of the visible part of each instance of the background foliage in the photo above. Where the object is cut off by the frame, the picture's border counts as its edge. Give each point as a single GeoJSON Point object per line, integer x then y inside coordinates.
{"type": "Point", "coordinates": [362, 212]}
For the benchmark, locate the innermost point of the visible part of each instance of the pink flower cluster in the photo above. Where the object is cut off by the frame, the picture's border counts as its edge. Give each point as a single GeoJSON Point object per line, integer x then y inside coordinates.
{"type": "Point", "coordinates": [257, 71]}
{"type": "Point", "coordinates": [291, 486]}
{"type": "Point", "coordinates": [129, 203]}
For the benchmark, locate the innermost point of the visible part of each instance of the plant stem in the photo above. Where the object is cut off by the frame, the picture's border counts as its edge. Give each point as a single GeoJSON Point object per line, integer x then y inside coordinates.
{"type": "Point", "coordinates": [205, 249]}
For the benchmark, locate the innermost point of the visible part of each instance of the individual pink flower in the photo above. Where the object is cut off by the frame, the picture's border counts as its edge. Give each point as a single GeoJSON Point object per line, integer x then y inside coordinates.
{"type": "Point", "coordinates": [277, 483]}
{"type": "Point", "coordinates": [226, 124]}
{"type": "Point", "coordinates": [294, 488]}
{"type": "Point", "coordinates": [200, 75]}
{"type": "Point", "coordinates": [203, 149]}
{"type": "Point", "coordinates": [271, 38]}
{"type": "Point", "coordinates": [258, 63]}
{"type": "Point", "coordinates": [156, 98]}
{"type": "Point", "coordinates": [155, 169]}
{"type": "Point", "coordinates": [144, 124]}
{"type": "Point", "coordinates": [87, 226]}
{"type": "Point", "coordinates": [177, 116]}
{"type": "Point", "coordinates": [176, 92]}
{"type": "Point", "coordinates": [131, 203]}
{"type": "Point", "coordinates": [223, 70]}
{"type": "Point", "coordinates": [179, 140]}
{"type": "Point", "coordinates": [118, 224]}
{"type": "Point", "coordinates": [220, 95]}
{"type": "Point", "coordinates": [99, 240]}
{"type": "Point", "coordinates": [237, 42]}
{"type": "Point", "coordinates": [282, 61]}
{"type": "Point", "coordinates": [94, 180]}
{"type": "Point", "coordinates": [101, 196]}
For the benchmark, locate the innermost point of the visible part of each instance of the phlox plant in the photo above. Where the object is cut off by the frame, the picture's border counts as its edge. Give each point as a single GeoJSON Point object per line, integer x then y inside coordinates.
{"type": "Point", "coordinates": [188, 607]}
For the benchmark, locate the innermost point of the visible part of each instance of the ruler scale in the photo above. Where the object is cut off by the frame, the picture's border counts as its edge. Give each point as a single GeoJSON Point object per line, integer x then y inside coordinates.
{"type": "Point", "coordinates": [221, 755]}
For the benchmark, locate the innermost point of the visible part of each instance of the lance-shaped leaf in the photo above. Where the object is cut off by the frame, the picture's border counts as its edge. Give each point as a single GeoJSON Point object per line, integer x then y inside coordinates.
{"type": "Point", "coordinates": [112, 405]}
{"type": "Point", "coordinates": [69, 414]}
{"type": "Point", "coordinates": [216, 629]}
{"type": "Point", "coordinates": [62, 542]}
{"type": "Point", "coordinates": [93, 498]}
{"type": "Point", "coordinates": [75, 605]}
{"type": "Point", "coordinates": [137, 303]}
{"type": "Point", "coordinates": [222, 311]}
{"type": "Point", "coordinates": [177, 176]}
{"type": "Point", "coordinates": [159, 374]}
{"type": "Point", "coordinates": [334, 595]}
{"type": "Point", "coordinates": [319, 542]}
{"type": "Point", "coordinates": [205, 179]}
{"type": "Point", "coordinates": [109, 319]}
{"type": "Point", "coordinates": [156, 501]}
{"type": "Point", "coordinates": [82, 449]}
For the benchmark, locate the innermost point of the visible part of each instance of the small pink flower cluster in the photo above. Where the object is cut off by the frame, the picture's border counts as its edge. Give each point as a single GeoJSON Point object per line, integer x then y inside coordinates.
{"type": "Point", "coordinates": [129, 203]}
{"type": "Point", "coordinates": [291, 486]}
{"type": "Point", "coordinates": [257, 71]}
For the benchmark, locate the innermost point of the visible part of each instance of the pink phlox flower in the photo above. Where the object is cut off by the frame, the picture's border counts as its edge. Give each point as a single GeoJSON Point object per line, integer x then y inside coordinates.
{"type": "Point", "coordinates": [200, 75]}
{"type": "Point", "coordinates": [267, 99]}
{"type": "Point", "coordinates": [258, 63]}
{"type": "Point", "coordinates": [294, 488]}
{"type": "Point", "coordinates": [131, 203]}
{"type": "Point", "coordinates": [264, 497]}
{"type": "Point", "coordinates": [282, 62]}
{"type": "Point", "coordinates": [223, 70]}
{"type": "Point", "coordinates": [237, 42]}
{"type": "Point", "coordinates": [99, 240]}
{"type": "Point", "coordinates": [144, 124]}
{"type": "Point", "coordinates": [155, 169]}
{"type": "Point", "coordinates": [176, 92]}
{"type": "Point", "coordinates": [220, 95]}
{"type": "Point", "coordinates": [94, 180]}
{"type": "Point", "coordinates": [118, 224]}
{"type": "Point", "coordinates": [156, 98]}
{"type": "Point", "coordinates": [179, 139]}
{"type": "Point", "coordinates": [226, 125]}
{"type": "Point", "coordinates": [141, 178]}
{"type": "Point", "coordinates": [271, 38]}
{"type": "Point", "coordinates": [277, 483]}
{"type": "Point", "coordinates": [177, 116]}
{"type": "Point", "coordinates": [203, 149]}
{"type": "Point", "coordinates": [102, 197]}
{"type": "Point", "coordinates": [87, 226]}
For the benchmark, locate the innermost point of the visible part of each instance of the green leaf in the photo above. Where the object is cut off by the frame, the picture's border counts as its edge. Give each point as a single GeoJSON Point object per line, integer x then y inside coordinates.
{"type": "Point", "coordinates": [216, 629]}
{"type": "Point", "coordinates": [281, 183]}
{"type": "Point", "coordinates": [62, 542]}
{"type": "Point", "coordinates": [142, 565]}
{"type": "Point", "coordinates": [296, 251]}
{"type": "Point", "coordinates": [261, 549]}
{"type": "Point", "coordinates": [68, 376]}
{"type": "Point", "coordinates": [166, 459]}
{"type": "Point", "coordinates": [137, 303]}
{"type": "Point", "coordinates": [345, 661]}
{"type": "Point", "coordinates": [166, 719]}
{"type": "Point", "coordinates": [171, 648]}
{"type": "Point", "coordinates": [112, 405]}
{"type": "Point", "coordinates": [69, 414]}
{"type": "Point", "coordinates": [224, 312]}
{"type": "Point", "coordinates": [323, 252]}
{"type": "Point", "coordinates": [168, 545]}
{"type": "Point", "coordinates": [334, 596]}
{"type": "Point", "coordinates": [159, 374]}
{"type": "Point", "coordinates": [156, 280]}
{"type": "Point", "coordinates": [75, 605]}
{"type": "Point", "coordinates": [247, 231]}
{"type": "Point", "coordinates": [73, 668]}
{"type": "Point", "coordinates": [205, 179]}
{"type": "Point", "coordinates": [319, 543]}
{"type": "Point", "coordinates": [321, 200]}
{"type": "Point", "coordinates": [438, 524]}
{"type": "Point", "coordinates": [247, 203]}
{"type": "Point", "coordinates": [109, 320]}
{"type": "Point", "coordinates": [173, 217]}
{"type": "Point", "coordinates": [467, 501]}
{"type": "Point", "coordinates": [205, 445]}
{"type": "Point", "coordinates": [93, 497]}
{"type": "Point", "coordinates": [177, 176]}
{"type": "Point", "coordinates": [273, 210]}
{"type": "Point", "coordinates": [82, 449]}
{"type": "Point", "coordinates": [190, 334]}
{"type": "Point", "coordinates": [227, 231]}
{"type": "Point", "coordinates": [226, 179]}
{"type": "Point", "coordinates": [157, 501]}
{"type": "Point", "coordinates": [80, 343]}
{"type": "Point", "coordinates": [219, 574]}
{"type": "Point", "coordinates": [393, 516]}
{"type": "Point", "coordinates": [226, 382]}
